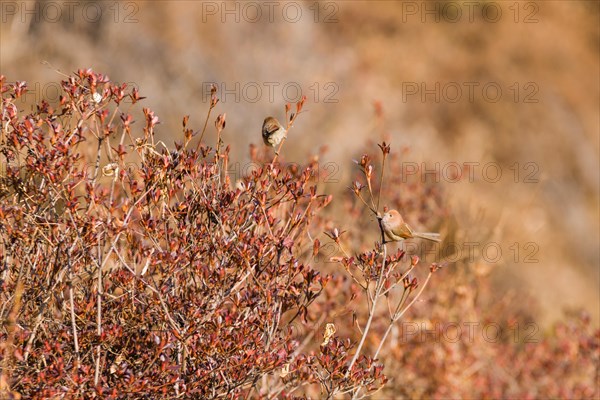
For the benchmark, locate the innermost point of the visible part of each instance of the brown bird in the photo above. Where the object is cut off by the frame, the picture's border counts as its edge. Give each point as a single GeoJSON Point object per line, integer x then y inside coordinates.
{"type": "Point", "coordinates": [272, 132]}
{"type": "Point", "coordinates": [396, 229]}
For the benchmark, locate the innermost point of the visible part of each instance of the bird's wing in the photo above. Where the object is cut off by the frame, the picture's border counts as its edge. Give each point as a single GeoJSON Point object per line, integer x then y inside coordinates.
{"type": "Point", "coordinates": [405, 231]}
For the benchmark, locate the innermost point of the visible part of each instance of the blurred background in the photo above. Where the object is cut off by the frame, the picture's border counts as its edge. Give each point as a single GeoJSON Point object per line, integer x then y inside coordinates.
{"type": "Point", "coordinates": [499, 100]}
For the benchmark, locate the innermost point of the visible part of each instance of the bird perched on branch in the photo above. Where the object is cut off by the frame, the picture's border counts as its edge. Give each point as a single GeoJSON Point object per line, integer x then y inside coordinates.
{"type": "Point", "coordinates": [272, 132]}
{"type": "Point", "coordinates": [396, 229]}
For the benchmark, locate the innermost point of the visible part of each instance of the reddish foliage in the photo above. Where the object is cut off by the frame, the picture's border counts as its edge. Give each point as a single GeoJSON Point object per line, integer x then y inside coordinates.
{"type": "Point", "coordinates": [129, 269]}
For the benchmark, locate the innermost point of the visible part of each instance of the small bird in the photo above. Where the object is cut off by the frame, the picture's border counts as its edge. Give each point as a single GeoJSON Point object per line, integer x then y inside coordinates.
{"type": "Point", "coordinates": [396, 229]}
{"type": "Point", "coordinates": [272, 132]}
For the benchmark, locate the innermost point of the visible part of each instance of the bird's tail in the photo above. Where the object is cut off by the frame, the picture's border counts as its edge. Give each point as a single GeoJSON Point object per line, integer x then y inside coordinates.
{"type": "Point", "coordinates": [434, 237]}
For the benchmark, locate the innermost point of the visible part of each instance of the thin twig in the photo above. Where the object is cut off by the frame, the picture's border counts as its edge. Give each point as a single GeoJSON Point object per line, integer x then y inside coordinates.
{"type": "Point", "coordinates": [205, 125]}
{"type": "Point", "coordinates": [371, 312]}
{"type": "Point", "coordinates": [381, 180]}
{"type": "Point", "coordinates": [73, 321]}
{"type": "Point", "coordinates": [397, 316]}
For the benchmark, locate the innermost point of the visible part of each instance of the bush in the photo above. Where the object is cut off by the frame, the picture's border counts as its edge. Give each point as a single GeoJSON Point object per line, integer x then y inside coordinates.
{"type": "Point", "coordinates": [131, 269]}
